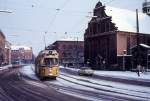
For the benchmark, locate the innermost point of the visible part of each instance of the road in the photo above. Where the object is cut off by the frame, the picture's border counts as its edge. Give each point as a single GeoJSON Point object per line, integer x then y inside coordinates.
{"type": "Point", "coordinates": [21, 84]}
{"type": "Point", "coordinates": [15, 86]}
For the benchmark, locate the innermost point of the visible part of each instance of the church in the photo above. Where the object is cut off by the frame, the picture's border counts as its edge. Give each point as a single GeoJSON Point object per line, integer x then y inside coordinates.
{"type": "Point", "coordinates": [112, 33]}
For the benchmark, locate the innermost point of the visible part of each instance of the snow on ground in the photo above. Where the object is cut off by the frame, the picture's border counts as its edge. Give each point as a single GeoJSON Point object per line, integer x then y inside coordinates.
{"type": "Point", "coordinates": [110, 84]}
{"type": "Point", "coordinates": [5, 67]}
{"type": "Point", "coordinates": [119, 74]}
{"type": "Point", "coordinates": [29, 71]}
{"type": "Point", "coordinates": [128, 90]}
{"type": "Point", "coordinates": [140, 93]}
{"type": "Point", "coordinates": [73, 69]}
{"type": "Point", "coordinates": [124, 74]}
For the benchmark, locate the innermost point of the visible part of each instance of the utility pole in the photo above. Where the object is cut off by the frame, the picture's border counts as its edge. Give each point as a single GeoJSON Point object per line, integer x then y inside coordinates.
{"type": "Point", "coordinates": [4, 11]}
{"type": "Point", "coordinates": [44, 39]}
{"type": "Point", "coordinates": [137, 31]}
{"type": "Point", "coordinates": [77, 53]}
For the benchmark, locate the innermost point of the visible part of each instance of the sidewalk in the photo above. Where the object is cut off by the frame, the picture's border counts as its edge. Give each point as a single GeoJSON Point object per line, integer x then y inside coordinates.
{"type": "Point", "coordinates": [124, 77]}
{"type": "Point", "coordinates": [5, 67]}
{"type": "Point", "coordinates": [127, 77]}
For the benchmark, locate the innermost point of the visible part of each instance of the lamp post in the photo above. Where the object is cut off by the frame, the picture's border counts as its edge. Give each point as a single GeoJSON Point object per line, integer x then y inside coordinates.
{"type": "Point", "coordinates": [77, 61]}
{"type": "Point", "coordinates": [76, 51]}
{"type": "Point", "coordinates": [44, 39]}
{"type": "Point", "coordinates": [124, 53]}
{"type": "Point", "coordinates": [4, 11]}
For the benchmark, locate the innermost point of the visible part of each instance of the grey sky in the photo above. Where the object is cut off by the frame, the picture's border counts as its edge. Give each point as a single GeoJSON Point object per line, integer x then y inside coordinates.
{"type": "Point", "coordinates": [31, 20]}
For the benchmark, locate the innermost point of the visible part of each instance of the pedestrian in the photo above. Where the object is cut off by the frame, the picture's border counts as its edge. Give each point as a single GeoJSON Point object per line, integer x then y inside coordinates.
{"type": "Point", "coordinates": [104, 62]}
{"type": "Point", "coordinates": [143, 69]}
{"type": "Point", "coordinates": [88, 62]}
{"type": "Point", "coordinates": [138, 69]}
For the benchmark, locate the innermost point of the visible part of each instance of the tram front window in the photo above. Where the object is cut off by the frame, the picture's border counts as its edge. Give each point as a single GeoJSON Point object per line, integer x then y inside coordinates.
{"type": "Point", "coordinates": [50, 61]}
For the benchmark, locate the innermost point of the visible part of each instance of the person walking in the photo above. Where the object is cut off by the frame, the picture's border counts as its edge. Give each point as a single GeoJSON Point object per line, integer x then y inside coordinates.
{"type": "Point", "coordinates": [143, 69]}
{"type": "Point", "coordinates": [104, 62]}
{"type": "Point", "coordinates": [138, 69]}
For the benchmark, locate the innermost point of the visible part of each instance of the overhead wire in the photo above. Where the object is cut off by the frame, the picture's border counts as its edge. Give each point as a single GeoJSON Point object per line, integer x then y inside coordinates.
{"type": "Point", "coordinates": [109, 1]}
{"type": "Point", "coordinates": [34, 30]}
{"type": "Point", "coordinates": [80, 22]}
{"type": "Point", "coordinates": [55, 16]}
{"type": "Point", "coordinates": [57, 12]}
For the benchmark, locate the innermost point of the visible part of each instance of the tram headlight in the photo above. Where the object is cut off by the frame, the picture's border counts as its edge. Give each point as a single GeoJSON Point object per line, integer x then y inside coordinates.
{"type": "Point", "coordinates": [50, 70]}
{"type": "Point", "coordinates": [43, 71]}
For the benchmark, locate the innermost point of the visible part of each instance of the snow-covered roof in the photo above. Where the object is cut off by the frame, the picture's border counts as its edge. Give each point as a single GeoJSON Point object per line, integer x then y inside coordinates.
{"type": "Point", "coordinates": [71, 39]}
{"type": "Point", "coordinates": [13, 47]}
{"type": "Point", "coordinates": [125, 20]}
{"type": "Point", "coordinates": [144, 45]}
{"type": "Point", "coordinates": [141, 45]}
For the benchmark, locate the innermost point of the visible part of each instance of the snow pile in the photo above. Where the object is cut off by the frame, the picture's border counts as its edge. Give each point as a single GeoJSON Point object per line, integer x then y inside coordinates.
{"type": "Point", "coordinates": [5, 67]}
{"type": "Point", "coordinates": [124, 74]}
{"type": "Point", "coordinates": [119, 74]}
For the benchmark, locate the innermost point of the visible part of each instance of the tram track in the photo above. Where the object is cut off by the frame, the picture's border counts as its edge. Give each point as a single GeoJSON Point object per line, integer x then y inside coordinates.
{"type": "Point", "coordinates": [89, 95]}
{"type": "Point", "coordinates": [21, 87]}
{"type": "Point", "coordinates": [88, 81]}
{"type": "Point", "coordinates": [109, 92]}
{"type": "Point", "coordinates": [113, 94]}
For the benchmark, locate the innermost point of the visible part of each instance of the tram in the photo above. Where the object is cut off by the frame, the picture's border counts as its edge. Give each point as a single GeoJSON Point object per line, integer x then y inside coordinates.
{"type": "Point", "coordinates": [46, 64]}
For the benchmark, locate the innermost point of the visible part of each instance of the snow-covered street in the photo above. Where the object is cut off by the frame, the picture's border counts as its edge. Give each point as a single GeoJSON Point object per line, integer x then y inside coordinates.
{"type": "Point", "coordinates": [94, 88]}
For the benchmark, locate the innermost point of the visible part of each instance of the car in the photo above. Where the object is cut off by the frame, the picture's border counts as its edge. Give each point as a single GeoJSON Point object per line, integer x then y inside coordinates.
{"type": "Point", "coordinates": [85, 71]}
{"type": "Point", "coordinates": [72, 66]}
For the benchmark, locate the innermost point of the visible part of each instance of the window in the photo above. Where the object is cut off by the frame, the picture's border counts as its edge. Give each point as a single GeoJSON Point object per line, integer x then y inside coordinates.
{"type": "Point", "coordinates": [50, 61]}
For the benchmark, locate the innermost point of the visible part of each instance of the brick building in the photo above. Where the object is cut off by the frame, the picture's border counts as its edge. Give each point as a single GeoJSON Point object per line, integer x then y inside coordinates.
{"type": "Point", "coordinates": [7, 53]}
{"type": "Point", "coordinates": [2, 48]}
{"type": "Point", "coordinates": [22, 54]}
{"type": "Point", "coordinates": [112, 33]}
{"type": "Point", "coordinates": [70, 52]}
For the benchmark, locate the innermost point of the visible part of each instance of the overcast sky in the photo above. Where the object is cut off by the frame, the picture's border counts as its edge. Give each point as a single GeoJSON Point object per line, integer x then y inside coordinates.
{"type": "Point", "coordinates": [31, 20]}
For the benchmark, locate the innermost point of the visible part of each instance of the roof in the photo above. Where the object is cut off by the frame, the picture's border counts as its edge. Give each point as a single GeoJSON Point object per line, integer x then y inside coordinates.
{"type": "Point", "coordinates": [141, 45]}
{"type": "Point", "coordinates": [13, 47]}
{"type": "Point", "coordinates": [144, 45]}
{"type": "Point", "coordinates": [125, 20]}
{"type": "Point", "coordinates": [2, 34]}
{"type": "Point", "coordinates": [70, 39]}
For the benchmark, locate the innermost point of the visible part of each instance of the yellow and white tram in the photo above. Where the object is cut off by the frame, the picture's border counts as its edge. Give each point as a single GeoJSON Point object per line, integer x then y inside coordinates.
{"type": "Point", "coordinates": [46, 64]}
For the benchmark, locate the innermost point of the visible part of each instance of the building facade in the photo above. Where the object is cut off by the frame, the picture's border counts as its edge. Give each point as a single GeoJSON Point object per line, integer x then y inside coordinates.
{"type": "Point", "coordinates": [21, 54]}
{"type": "Point", "coordinates": [71, 53]}
{"type": "Point", "coordinates": [2, 48]}
{"type": "Point", "coordinates": [7, 53]}
{"type": "Point", "coordinates": [111, 34]}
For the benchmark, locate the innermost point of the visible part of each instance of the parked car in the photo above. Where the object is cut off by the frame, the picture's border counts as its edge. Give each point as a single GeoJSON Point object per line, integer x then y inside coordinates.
{"type": "Point", "coordinates": [72, 66]}
{"type": "Point", "coordinates": [85, 71]}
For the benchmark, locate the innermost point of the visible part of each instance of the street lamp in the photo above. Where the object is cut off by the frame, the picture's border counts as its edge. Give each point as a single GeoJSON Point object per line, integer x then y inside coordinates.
{"type": "Point", "coordinates": [3, 11]}
{"type": "Point", "coordinates": [44, 39]}
{"type": "Point", "coordinates": [75, 52]}
{"type": "Point", "coordinates": [77, 61]}
{"type": "Point", "coordinates": [124, 53]}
